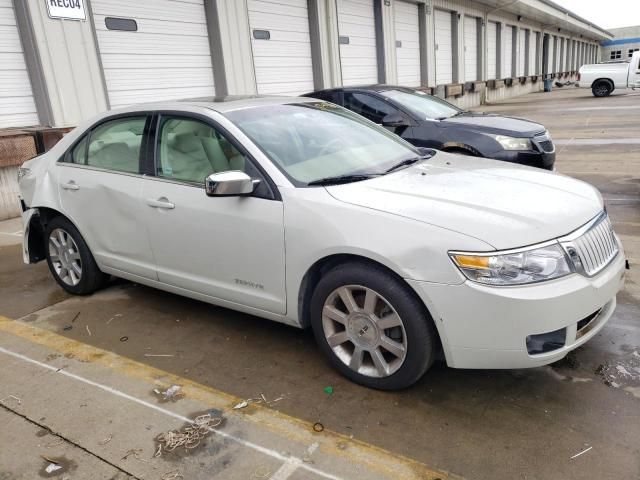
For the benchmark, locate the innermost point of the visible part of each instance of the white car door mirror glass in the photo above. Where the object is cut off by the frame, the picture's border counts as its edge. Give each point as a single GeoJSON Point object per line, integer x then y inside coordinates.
{"type": "Point", "coordinates": [230, 183]}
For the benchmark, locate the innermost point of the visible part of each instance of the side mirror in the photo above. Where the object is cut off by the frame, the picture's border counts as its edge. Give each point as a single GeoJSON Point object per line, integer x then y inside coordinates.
{"type": "Point", "coordinates": [394, 120]}
{"type": "Point", "coordinates": [227, 184]}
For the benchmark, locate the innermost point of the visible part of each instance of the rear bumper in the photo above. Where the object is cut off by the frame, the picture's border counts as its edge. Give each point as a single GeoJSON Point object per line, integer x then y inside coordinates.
{"type": "Point", "coordinates": [487, 327]}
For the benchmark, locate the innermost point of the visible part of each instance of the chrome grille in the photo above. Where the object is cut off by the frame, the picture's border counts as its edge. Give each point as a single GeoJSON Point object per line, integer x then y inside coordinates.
{"type": "Point", "coordinates": [592, 247]}
{"type": "Point", "coordinates": [544, 143]}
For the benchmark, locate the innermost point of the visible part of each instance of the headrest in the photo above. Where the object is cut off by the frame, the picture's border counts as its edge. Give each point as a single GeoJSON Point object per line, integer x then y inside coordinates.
{"type": "Point", "coordinates": [187, 143]}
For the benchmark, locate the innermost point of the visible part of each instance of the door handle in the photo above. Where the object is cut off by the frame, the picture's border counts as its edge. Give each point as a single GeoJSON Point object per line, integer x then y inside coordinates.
{"type": "Point", "coordinates": [160, 203]}
{"type": "Point", "coordinates": [70, 186]}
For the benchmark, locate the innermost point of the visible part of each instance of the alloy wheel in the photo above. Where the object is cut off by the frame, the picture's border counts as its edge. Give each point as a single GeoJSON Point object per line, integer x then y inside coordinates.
{"type": "Point", "coordinates": [364, 331]}
{"type": "Point", "coordinates": [65, 257]}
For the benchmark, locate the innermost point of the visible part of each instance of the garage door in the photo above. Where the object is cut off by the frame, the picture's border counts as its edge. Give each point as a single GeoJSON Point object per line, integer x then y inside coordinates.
{"type": "Point", "coordinates": [17, 108]}
{"type": "Point", "coordinates": [507, 58]}
{"type": "Point", "coordinates": [521, 52]}
{"type": "Point", "coordinates": [492, 50]}
{"type": "Point", "coordinates": [533, 49]}
{"type": "Point", "coordinates": [444, 47]}
{"type": "Point", "coordinates": [163, 55]}
{"type": "Point", "coordinates": [470, 49]}
{"type": "Point", "coordinates": [407, 43]}
{"type": "Point", "coordinates": [557, 57]}
{"type": "Point", "coordinates": [357, 31]}
{"type": "Point", "coordinates": [281, 46]}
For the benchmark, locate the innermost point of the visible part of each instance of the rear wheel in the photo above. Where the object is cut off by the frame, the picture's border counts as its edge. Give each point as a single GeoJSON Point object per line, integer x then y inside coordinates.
{"type": "Point", "coordinates": [69, 259]}
{"type": "Point", "coordinates": [372, 327]}
{"type": "Point", "coordinates": [602, 88]}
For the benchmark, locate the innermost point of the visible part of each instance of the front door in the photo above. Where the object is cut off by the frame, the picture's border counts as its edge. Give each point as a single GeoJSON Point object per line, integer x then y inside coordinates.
{"type": "Point", "coordinates": [228, 248]}
{"type": "Point", "coordinates": [99, 182]}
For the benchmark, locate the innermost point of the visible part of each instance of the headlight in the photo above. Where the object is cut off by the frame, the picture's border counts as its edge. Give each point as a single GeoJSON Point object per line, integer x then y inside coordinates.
{"type": "Point", "coordinates": [513, 268]}
{"type": "Point", "coordinates": [513, 143]}
{"type": "Point", "coordinates": [23, 172]}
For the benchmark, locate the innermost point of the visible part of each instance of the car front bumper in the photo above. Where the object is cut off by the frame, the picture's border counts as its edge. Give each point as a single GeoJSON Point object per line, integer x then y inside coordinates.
{"type": "Point", "coordinates": [529, 158]}
{"type": "Point", "coordinates": [487, 327]}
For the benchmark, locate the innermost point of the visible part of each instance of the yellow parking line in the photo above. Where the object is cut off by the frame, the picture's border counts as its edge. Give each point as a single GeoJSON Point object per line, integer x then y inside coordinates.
{"type": "Point", "coordinates": [331, 443]}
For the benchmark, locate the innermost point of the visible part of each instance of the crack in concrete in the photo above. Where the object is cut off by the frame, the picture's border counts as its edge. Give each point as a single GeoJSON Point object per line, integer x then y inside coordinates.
{"type": "Point", "coordinates": [69, 441]}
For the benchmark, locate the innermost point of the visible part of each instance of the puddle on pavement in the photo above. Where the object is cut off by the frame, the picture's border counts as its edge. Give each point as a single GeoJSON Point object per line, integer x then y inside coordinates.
{"type": "Point", "coordinates": [623, 373]}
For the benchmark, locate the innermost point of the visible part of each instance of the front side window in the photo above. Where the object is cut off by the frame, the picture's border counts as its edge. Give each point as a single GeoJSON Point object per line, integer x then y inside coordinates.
{"type": "Point", "coordinates": [368, 106]}
{"type": "Point", "coordinates": [422, 105]}
{"type": "Point", "coordinates": [313, 141]}
{"type": "Point", "coordinates": [114, 145]}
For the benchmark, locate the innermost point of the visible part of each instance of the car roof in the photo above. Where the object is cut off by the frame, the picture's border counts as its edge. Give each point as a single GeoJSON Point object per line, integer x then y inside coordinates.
{"type": "Point", "coordinates": [219, 104]}
{"type": "Point", "coordinates": [365, 88]}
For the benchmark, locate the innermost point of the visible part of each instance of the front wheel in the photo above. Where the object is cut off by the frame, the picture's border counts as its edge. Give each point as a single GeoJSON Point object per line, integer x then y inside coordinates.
{"type": "Point", "coordinates": [602, 89]}
{"type": "Point", "coordinates": [372, 327]}
{"type": "Point", "coordinates": [70, 260]}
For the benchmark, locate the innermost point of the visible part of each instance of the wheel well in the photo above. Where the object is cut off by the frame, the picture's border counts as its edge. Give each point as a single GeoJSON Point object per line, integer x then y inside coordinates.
{"type": "Point", "coordinates": [607, 80]}
{"type": "Point", "coordinates": [37, 227]}
{"type": "Point", "coordinates": [463, 149]}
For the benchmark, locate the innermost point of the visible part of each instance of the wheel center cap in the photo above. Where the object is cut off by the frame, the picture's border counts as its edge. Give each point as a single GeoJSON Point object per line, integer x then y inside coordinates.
{"type": "Point", "coordinates": [362, 330]}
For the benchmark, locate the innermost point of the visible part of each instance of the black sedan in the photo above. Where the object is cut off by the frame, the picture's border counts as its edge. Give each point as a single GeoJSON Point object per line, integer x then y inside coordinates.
{"type": "Point", "coordinates": [428, 121]}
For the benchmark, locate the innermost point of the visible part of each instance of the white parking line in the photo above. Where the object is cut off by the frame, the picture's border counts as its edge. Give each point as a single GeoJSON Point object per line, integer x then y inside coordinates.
{"type": "Point", "coordinates": [15, 234]}
{"type": "Point", "coordinates": [290, 464]}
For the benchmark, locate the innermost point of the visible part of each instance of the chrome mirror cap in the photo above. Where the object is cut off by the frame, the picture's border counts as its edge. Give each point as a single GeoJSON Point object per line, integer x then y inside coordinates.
{"type": "Point", "coordinates": [229, 183]}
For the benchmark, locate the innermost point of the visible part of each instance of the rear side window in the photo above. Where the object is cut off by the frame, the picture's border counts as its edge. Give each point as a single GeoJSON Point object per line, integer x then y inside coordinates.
{"type": "Point", "coordinates": [114, 145]}
{"type": "Point", "coordinates": [368, 106]}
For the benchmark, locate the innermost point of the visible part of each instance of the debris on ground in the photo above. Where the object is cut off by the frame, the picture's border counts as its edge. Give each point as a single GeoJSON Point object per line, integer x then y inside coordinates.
{"type": "Point", "coordinates": [105, 440]}
{"type": "Point", "coordinates": [52, 467]}
{"type": "Point", "coordinates": [583, 451]}
{"type": "Point", "coordinates": [88, 331]}
{"type": "Point", "coordinates": [189, 437]}
{"type": "Point", "coordinates": [17, 399]}
{"type": "Point", "coordinates": [328, 390]}
{"type": "Point", "coordinates": [258, 400]}
{"type": "Point", "coordinates": [114, 317]}
{"type": "Point", "coordinates": [261, 472]}
{"type": "Point", "coordinates": [173, 393]}
{"type": "Point", "coordinates": [135, 453]}
{"type": "Point", "coordinates": [174, 475]}
{"type": "Point", "coordinates": [75, 317]}
{"type": "Point", "coordinates": [318, 427]}
{"type": "Point", "coordinates": [124, 339]}
{"type": "Point", "coordinates": [158, 355]}
{"type": "Point", "coordinates": [66, 328]}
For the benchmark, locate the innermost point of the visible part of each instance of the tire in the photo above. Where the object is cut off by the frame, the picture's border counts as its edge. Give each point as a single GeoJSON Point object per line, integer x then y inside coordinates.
{"type": "Point", "coordinates": [394, 313]}
{"type": "Point", "coordinates": [602, 88]}
{"type": "Point", "coordinates": [70, 260]}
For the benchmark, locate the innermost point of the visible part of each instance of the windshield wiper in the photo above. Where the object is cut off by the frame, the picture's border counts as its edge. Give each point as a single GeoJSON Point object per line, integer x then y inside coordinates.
{"type": "Point", "coordinates": [408, 161]}
{"type": "Point", "coordinates": [343, 179]}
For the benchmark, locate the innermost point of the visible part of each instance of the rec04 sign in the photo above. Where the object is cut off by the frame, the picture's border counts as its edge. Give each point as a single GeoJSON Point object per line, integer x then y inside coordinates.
{"type": "Point", "coordinates": [67, 9]}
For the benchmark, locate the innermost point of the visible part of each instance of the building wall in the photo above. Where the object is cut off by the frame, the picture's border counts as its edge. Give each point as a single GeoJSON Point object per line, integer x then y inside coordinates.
{"type": "Point", "coordinates": [621, 47]}
{"type": "Point", "coordinates": [68, 70]}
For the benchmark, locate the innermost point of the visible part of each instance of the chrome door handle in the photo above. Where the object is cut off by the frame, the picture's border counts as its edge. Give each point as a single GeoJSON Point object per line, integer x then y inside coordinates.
{"type": "Point", "coordinates": [70, 186]}
{"type": "Point", "coordinates": [160, 203]}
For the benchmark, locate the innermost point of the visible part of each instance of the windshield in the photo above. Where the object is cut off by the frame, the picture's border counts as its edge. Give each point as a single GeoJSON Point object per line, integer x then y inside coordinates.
{"type": "Point", "coordinates": [314, 141]}
{"type": "Point", "coordinates": [422, 105]}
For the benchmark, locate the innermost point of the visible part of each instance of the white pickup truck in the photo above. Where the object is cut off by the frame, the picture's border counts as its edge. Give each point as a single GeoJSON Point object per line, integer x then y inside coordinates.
{"type": "Point", "coordinates": [604, 78]}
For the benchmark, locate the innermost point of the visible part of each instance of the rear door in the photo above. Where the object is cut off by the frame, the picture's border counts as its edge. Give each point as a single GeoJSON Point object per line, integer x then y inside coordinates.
{"type": "Point", "coordinates": [634, 70]}
{"type": "Point", "coordinates": [225, 248]}
{"type": "Point", "coordinates": [99, 182]}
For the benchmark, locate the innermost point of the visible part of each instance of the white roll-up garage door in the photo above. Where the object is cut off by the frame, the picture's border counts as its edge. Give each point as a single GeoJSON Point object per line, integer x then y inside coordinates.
{"type": "Point", "coordinates": [492, 50]}
{"type": "Point", "coordinates": [533, 49]}
{"type": "Point", "coordinates": [470, 49]}
{"type": "Point", "coordinates": [281, 46]}
{"type": "Point", "coordinates": [557, 57]}
{"type": "Point", "coordinates": [444, 47]}
{"type": "Point", "coordinates": [17, 108]}
{"type": "Point", "coordinates": [507, 58]}
{"type": "Point", "coordinates": [407, 43]}
{"type": "Point", "coordinates": [521, 52]}
{"type": "Point", "coordinates": [168, 57]}
{"type": "Point", "coordinates": [357, 31]}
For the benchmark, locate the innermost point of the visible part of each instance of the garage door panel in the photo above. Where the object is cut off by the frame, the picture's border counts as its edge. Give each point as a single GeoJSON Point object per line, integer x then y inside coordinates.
{"type": "Point", "coordinates": [492, 50]}
{"type": "Point", "coordinates": [167, 10]}
{"type": "Point", "coordinates": [470, 49]}
{"type": "Point", "coordinates": [444, 47]}
{"type": "Point", "coordinates": [407, 31]}
{"type": "Point", "coordinates": [358, 58]}
{"type": "Point", "coordinates": [282, 64]}
{"type": "Point", "coordinates": [17, 106]}
{"type": "Point", "coordinates": [507, 70]}
{"type": "Point", "coordinates": [168, 57]}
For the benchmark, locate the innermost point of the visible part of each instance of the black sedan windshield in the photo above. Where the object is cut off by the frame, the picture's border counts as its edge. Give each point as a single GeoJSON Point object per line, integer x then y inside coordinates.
{"type": "Point", "coordinates": [422, 105]}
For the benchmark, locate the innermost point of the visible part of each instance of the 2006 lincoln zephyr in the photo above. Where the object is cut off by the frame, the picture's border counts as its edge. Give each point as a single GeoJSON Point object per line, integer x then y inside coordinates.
{"type": "Point", "coordinates": [300, 211]}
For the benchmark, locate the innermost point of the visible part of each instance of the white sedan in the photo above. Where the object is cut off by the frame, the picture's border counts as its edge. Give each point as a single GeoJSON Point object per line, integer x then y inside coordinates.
{"type": "Point", "coordinates": [301, 212]}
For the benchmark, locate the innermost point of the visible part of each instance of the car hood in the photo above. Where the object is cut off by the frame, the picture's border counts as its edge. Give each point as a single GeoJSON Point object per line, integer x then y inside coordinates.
{"type": "Point", "coordinates": [496, 124]}
{"type": "Point", "coordinates": [507, 206]}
